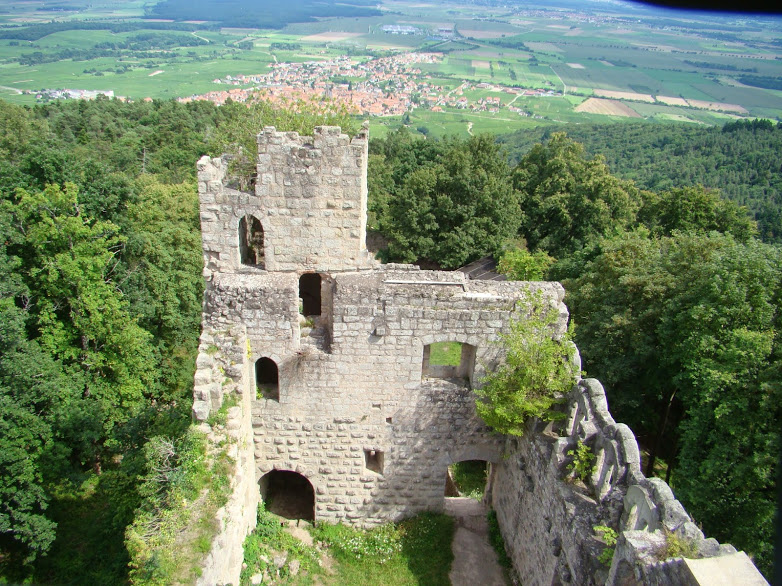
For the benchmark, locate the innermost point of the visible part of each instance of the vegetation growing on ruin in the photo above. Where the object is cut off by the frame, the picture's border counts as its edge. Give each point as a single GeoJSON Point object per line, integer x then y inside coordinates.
{"type": "Point", "coordinates": [608, 535]}
{"type": "Point", "coordinates": [175, 523]}
{"type": "Point", "coordinates": [535, 376]}
{"type": "Point", "coordinates": [582, 466]}
{"type": "Point", "coordinates": [497, 541]}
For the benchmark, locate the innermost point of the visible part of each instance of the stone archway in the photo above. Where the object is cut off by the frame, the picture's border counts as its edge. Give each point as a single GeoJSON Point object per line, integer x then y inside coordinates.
{"type": "Point", "coordinates": [288, 494]}
{"type": "Point", "coordinates": [467, 478]}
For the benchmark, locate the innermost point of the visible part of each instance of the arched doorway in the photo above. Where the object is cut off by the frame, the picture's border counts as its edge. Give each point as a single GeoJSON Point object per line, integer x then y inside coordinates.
{"type": "Point", "coordinates": [267, 379]}
{"type": "Point", "coordinates": [467, 478]}
{"type": "Point", "coordinates": [251, 251]}
{"type": "Point", "coordinates": [288, 494]}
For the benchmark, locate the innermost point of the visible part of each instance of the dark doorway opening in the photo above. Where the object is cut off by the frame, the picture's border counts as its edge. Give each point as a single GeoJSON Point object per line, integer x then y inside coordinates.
{"type": "Point", "coordinates": [309, 293]}
{"type": "Point", "coordinates": [251, 241]}
{"type": "Point", "coordinates": [267, 379]}
{"type": "Point", "coordinates": [288, 494]}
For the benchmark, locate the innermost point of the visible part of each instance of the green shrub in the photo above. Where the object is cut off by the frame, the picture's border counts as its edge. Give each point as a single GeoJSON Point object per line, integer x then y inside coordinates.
{"type": "Point", "coordinates": [583, 464]}
{"type": "Point", "coordinates": [537, 373]}
{"type": "Point", "coordinates": [609, 538]}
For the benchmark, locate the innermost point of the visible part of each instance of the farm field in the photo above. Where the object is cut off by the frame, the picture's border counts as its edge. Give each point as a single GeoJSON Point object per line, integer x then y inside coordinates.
{"type": "Point", "coordinates": [545, 65]}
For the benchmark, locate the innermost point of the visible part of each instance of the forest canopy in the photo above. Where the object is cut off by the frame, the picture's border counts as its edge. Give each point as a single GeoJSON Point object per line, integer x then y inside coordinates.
{"type": "Point", "coordinates": [100, 303]}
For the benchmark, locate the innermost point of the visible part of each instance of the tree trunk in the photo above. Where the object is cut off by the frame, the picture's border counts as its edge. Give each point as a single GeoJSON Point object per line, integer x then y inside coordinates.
{"type": "Point", "coordinates": [659, 439]}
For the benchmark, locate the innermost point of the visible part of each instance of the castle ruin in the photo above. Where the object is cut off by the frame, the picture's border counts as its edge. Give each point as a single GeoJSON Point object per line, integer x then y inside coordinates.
{"type": "Point", "coordinates": [341, 409]}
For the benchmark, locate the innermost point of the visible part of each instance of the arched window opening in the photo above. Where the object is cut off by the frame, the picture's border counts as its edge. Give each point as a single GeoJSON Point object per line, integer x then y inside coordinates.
{"type": "Point", "coordinates": [467, 479]}
{"type": "Point", "coordinates": [288, 494]}
{"type": "Point", "coordinates": [251, 241]}
{"type": "Point", "coordinates": [310, 295]}
{"type": "Point", "coordinates": [267, 379]}
{"type": "Point", "coordinates": [449, 360]}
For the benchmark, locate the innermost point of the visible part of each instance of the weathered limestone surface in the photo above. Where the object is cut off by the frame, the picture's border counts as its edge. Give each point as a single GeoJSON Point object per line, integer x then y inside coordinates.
{"type": "Point", "coordinates": [229, 368]}
{"type": "Point", "coordinates": [548, 523]}
{"type": "Point", "coordinates": [328, 354]}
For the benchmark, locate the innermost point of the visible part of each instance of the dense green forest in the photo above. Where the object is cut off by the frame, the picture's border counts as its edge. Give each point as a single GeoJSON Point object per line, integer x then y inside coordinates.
{"type": "Point", "coordinates": [675, 298]}
{"type": "Point", "coordinates": [741, 159]}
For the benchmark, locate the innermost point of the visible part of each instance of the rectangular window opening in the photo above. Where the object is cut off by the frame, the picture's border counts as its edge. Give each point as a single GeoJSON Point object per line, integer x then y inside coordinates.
{"type": "Point", "coordinates": [374, 460]}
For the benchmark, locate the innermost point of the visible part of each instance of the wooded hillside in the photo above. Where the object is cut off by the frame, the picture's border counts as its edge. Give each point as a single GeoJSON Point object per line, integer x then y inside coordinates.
{"type": "Point", "coordinates": [676, 303]}
{"type": "Point", "coordinates": [741, 159]}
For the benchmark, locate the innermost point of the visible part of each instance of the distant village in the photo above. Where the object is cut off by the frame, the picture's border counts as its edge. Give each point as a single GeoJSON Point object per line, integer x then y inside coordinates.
{"type": "Point", "coordinates": [387, 86]}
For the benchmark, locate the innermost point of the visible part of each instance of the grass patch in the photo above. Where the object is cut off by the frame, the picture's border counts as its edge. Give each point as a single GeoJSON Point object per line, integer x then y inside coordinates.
{"type": "Point", "coordinates": [445, 353]}
{"type": "Point", "coordinates": [496, 540]}
{"type": "Point", "coordinates": [470, 478]}
{"type": "Point", "coordinates": [415, 551]}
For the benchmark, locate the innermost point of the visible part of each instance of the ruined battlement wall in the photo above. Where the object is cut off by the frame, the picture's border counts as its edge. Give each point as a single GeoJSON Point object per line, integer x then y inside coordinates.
{"type": "Point", "coordinates": [368, 389]}
{"type": "Point", "coordinates": [548, 520]}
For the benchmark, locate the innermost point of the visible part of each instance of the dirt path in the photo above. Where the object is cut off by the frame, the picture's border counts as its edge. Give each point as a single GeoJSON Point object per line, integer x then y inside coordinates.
{"type": "Point", "coordinates": [474, 559]}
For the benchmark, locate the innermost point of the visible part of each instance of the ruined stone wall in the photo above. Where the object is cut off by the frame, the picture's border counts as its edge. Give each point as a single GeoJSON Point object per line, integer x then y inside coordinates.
{"type": "Point", "coordinates": [364, 391]}
{"type": "Point", "coordinates": [314, 195]}
{"type": "Point", "coordinates": [222, 370]}
{"type": "Point", "coordinates": [355, 405]}
{"type": "Point", "coordinates": [548, 519]}
{"type": "Point", "coordinates": [310, 198]}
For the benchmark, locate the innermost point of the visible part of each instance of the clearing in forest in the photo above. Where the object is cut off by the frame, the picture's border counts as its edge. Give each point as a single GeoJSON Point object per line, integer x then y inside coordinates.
{"type": "Point", "coordinates": [607, 107]}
